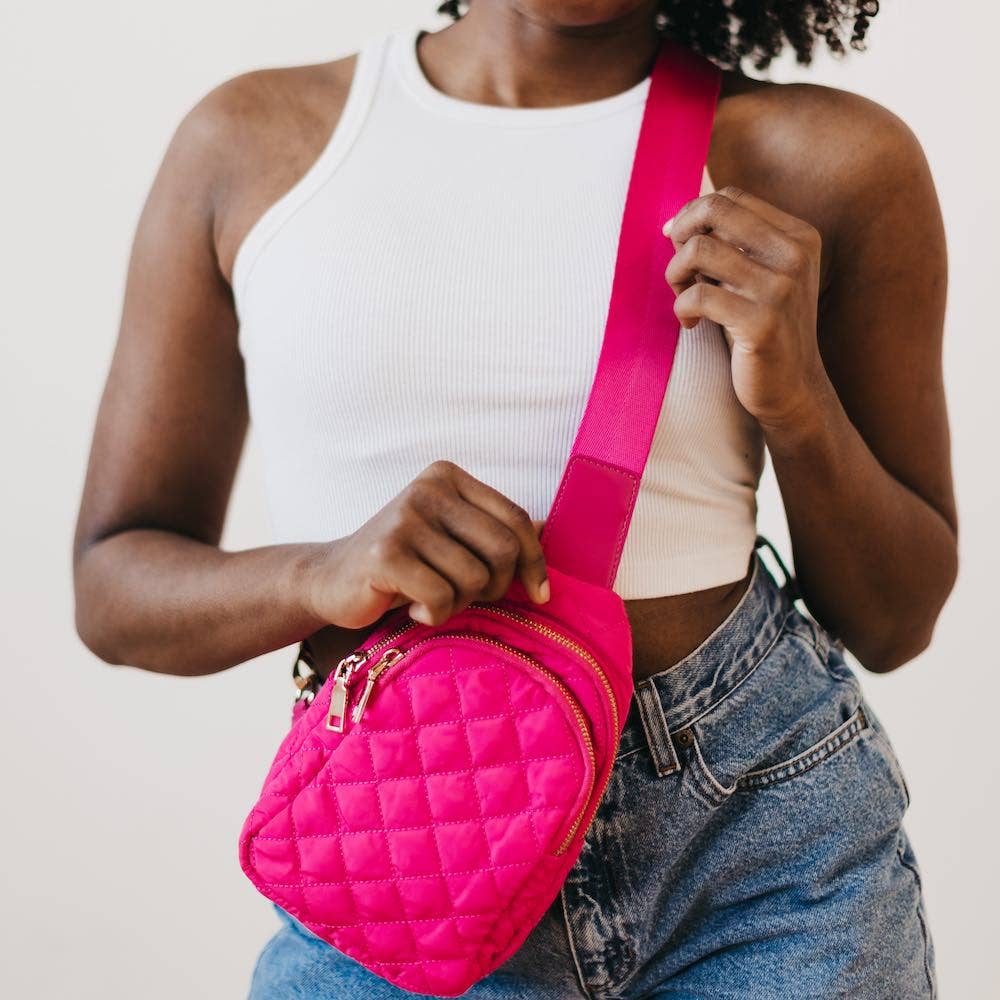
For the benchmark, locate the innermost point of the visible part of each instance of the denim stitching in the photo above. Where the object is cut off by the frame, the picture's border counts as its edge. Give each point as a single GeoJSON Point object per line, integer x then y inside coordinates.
{"type": "Point", "coordinates": [753, 667]}
{"type": "Point", "coordinates": [822, 639]}
{"type": "Point", "coordinates": [742, 783]}
{"type": "Point", "coordinates": [715, 783]}
{"type": "Point", "coordinates": [653, 718]}
{"type": "Point", "coordinates": [719, 629]}
{"type": "Point", "coordinates": [703, 785]}
{"type": "Point", "coordinates": [813, 633]}
{"type": "Point", "coordinates": [894, 765]}
{"type": "Point", "coordinates": [720, 790]}
{"type": "Point", "coordinates": [920, 916]}
{"type": "Point", "coordinates": [843, 735]}
{"type": "Point", "coordinates": [572, 944]}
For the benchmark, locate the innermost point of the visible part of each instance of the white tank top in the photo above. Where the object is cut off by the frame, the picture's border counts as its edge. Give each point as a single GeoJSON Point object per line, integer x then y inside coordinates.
{"type": "Point", "coordinates": [435, 286]}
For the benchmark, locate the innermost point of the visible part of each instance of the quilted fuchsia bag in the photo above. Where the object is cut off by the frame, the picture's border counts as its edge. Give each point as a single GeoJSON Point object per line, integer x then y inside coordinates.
{"type": "Point", "coordinates": [426, 806]}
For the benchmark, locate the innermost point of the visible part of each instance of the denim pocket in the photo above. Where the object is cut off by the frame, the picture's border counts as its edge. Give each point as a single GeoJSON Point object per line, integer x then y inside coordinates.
{"type": "Point", "coordinates": [800, 706]}
{"type": "Point", "coordinates": [808, 758]}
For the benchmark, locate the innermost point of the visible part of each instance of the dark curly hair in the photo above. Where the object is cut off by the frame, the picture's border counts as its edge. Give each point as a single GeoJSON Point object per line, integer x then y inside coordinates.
{"type": "Point", "coordinates": [729, 31]}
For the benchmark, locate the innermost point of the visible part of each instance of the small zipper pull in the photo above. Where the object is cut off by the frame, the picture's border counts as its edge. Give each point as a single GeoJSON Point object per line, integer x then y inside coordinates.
{"type": "Point", "coordinates": [338, 692]}
{"type": "Point", "coordinates": [389, 657]}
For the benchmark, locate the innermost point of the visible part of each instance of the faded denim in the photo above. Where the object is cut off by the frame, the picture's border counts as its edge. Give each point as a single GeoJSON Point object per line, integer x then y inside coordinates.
{"type": "Point", "coordinates": [749, 845]}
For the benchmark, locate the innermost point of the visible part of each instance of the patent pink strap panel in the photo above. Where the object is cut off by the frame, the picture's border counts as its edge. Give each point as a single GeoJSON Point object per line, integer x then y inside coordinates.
{"type": "Point", "coordinates": [590, 515]}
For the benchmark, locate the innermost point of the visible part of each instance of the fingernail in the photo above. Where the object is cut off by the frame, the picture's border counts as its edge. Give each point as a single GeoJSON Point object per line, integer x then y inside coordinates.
{"type": "Point", "coordinates": [667, 225]}
{"type": "Point", "coordinates": [544, 591]}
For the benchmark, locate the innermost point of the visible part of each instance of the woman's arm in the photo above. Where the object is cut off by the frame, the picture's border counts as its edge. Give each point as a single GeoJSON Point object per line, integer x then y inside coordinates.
{"type": "Point", "coordinates": [153, 588]}
{"type": "Point", "coordinates": [846, 384]}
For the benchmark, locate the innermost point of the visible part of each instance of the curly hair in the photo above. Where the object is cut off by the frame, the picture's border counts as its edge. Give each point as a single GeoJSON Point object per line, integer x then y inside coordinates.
{"type": "Point", "coordinates": [729, 31]}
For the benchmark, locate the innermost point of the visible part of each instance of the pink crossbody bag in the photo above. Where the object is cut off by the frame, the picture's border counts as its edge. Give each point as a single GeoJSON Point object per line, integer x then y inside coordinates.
{"type": "Point", "coordinates": [426, 806]}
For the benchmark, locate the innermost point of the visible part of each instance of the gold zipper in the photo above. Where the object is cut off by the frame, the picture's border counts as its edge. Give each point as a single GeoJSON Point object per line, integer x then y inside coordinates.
{"type": "Point", "coordinates": [341, 678]}
{"type": "Point", "coordinates": [410, 623]}
{"type": "Point", "coordinates": [392, 656]}
{"type": "Point", "coordinates": [562, 640]}
{"type": "Point", "coordinates": [517, 616]}
{"type": "Point", "coordinates": [389, 657]}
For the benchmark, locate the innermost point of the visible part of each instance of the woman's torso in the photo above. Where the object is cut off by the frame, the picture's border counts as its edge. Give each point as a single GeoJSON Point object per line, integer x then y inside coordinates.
{"type": "Point", "coordinates": [665, 626]}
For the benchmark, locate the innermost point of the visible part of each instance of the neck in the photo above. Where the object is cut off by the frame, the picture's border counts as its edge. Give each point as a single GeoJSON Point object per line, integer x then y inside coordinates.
{"type": "Point", "coordinates": [497, 55]}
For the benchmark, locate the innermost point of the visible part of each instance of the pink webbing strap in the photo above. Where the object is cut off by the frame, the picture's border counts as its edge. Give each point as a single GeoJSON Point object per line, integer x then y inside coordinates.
{"type": "Point", "coordinates": [590, 515]}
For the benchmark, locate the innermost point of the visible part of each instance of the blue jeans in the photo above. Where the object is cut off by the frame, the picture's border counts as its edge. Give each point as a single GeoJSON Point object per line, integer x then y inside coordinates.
{"type": "Point", "coordinates": [749, 844]}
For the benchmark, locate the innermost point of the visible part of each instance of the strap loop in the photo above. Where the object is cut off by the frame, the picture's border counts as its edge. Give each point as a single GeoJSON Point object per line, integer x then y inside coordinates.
{"type": "Point", "coordinates": [790, 585]}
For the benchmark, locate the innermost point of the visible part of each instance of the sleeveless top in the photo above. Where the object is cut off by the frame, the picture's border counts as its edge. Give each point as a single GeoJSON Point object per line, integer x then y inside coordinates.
{"type": "Point", "coordinates": [435, 286]}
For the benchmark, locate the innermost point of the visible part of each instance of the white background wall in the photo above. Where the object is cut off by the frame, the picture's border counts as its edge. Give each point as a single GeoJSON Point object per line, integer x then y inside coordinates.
{"type": "Point", "coordinates": [124, 792]}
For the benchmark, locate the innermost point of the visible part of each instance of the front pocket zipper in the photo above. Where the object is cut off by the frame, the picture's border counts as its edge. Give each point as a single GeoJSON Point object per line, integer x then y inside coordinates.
{"type": "Point", "coordinates": [342, 675]}
{"type": "Point", "coordinates": [392, 657]}
{"type": "Point", "coordinates": [340, 679]}
{"type": "Point", "coordinates": [563, 640]}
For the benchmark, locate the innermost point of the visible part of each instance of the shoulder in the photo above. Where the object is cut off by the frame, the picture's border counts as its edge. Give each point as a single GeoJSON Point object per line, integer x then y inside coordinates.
{"type": "Point", "coordinates": [812, 124]}
{"type": "Point", "coordinates": [251, 136]}
{"type": "Point", "coordinates": [262, 105]}
{"type": "Point", "coordinates": [830, 156]}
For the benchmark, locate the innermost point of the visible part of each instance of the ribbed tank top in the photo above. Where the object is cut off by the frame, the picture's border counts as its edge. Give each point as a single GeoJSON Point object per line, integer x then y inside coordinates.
{"type": "Point", "coordinates": [435, 286]}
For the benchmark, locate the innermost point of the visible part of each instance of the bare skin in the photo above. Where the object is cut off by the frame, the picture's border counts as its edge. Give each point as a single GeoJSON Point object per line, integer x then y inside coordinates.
{"type": "Point", "coordinates": [834, 313]}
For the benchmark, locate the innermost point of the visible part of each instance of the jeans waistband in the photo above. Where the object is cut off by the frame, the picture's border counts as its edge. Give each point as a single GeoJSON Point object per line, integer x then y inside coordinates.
{"type": "Point", "coordinates": [674, 698]}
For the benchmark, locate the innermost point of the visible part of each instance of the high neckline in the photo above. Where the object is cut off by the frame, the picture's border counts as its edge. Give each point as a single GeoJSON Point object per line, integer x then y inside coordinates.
{"type": "Point", "coordinates": [404, 50]}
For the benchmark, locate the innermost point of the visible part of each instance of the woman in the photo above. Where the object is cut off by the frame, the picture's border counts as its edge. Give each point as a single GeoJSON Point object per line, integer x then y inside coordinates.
{"type": "Point", "coordinates": [398, 262]}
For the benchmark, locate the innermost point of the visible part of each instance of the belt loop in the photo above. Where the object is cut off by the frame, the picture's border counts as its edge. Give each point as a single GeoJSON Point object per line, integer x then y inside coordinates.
{"type": "Point", "coordinates": [790, 586]}
{"type": "Point", "coordinates": [654, 723]}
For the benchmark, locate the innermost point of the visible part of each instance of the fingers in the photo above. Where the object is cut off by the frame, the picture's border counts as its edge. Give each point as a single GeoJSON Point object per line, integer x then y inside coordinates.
{"type": "Point", "coordinates": [473, 550]}
{"type": "Point", "coordinates": [765, 233]}
{"type": "Point", "coordinates": [469, 535]}
{"type": "Point", "coordinates": [715, 303]}
{"type": "Point", "coordinates": [446, 540]}
{"type": "Point", "coordinates": [435, 595]}
{"type": "Point", "coordinates": [494, 547]}
{"type": "Point", "coordinates": [715, 259]}
{"type": "Point", "coordinates": [764, 209]}
{"type": "Point", "coordinates": [469, 577]}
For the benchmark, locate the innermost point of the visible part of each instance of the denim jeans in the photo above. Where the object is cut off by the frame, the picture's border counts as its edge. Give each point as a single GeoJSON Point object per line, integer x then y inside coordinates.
{"type": "Point", "coordinates": [749, 844]}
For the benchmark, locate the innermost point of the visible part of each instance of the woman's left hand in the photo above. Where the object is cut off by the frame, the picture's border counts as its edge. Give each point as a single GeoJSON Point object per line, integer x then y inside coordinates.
{"type": "Point", "coordinates": [763, 268]}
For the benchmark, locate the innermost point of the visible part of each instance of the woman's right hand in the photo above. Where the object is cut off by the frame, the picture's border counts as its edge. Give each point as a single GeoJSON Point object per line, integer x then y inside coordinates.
{"type": "Point", "coordinates": [445, 540]}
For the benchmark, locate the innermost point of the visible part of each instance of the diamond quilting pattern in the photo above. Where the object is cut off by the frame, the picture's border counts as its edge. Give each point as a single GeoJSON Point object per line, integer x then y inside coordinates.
{"type": "Point", "coordinates": [403, 839]}
{"type": "Point", "coordinates": [429, 838]}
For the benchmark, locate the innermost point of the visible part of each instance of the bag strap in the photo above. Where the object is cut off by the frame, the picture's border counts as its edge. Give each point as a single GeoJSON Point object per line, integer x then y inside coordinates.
{"type": "Point", "coordinates": [585, 531]}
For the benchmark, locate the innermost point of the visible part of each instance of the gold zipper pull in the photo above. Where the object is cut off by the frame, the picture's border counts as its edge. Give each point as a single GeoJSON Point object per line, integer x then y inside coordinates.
{"type": "Point", "coordinates": [389, 657]}
{"type": "Point", "coordinates": [338, 692]}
